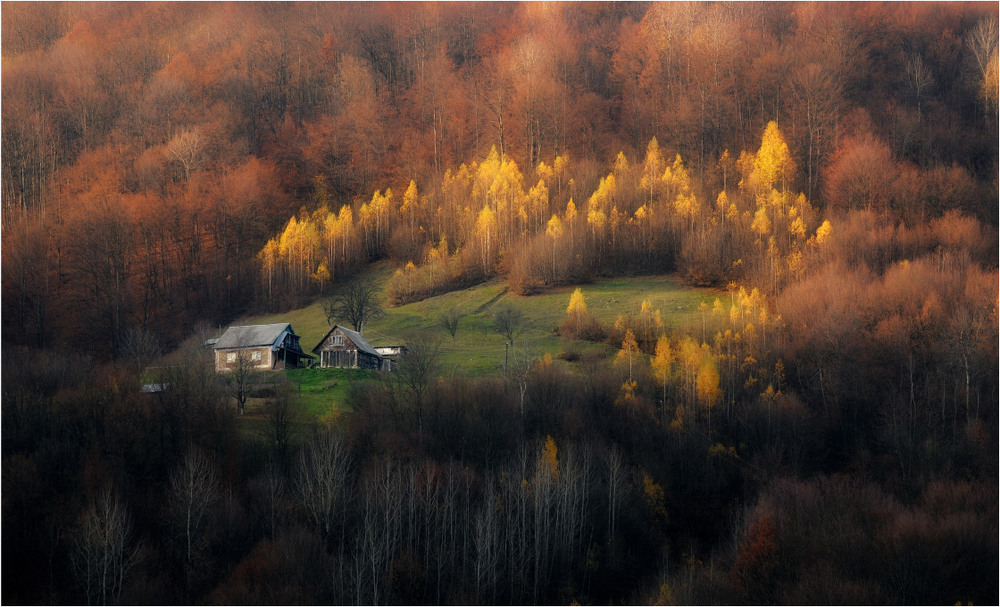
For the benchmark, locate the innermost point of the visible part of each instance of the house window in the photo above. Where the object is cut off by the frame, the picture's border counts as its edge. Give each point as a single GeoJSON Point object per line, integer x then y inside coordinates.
{"type": "Point", "coordinates": [231, 357]}
{"type": "Point", "coordinates": [256, 355]}
{"type": "Point", "coordinates": [338, 340]}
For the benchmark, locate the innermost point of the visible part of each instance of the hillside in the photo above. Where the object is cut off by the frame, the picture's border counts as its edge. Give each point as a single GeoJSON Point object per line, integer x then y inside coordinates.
{"type": "Point", "coordinates": [746, 254]}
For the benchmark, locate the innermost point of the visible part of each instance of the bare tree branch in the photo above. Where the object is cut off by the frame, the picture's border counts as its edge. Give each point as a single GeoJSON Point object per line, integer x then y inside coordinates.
{"type": "Point", "coordinates": [356, 303]}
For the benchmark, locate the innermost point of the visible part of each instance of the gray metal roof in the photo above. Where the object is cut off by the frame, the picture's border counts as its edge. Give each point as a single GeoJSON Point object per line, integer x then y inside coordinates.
{"type": "Point", "coordinates": [359, 341]}
{"type": "Point", "coordinates": [354, 336]}
{"type": "Point", "coordinates": [251, 336]}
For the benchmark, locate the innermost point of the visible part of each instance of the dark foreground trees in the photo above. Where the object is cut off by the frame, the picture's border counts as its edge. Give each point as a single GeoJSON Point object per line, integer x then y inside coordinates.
{"type": "Point", "coordinates": [557, 487]}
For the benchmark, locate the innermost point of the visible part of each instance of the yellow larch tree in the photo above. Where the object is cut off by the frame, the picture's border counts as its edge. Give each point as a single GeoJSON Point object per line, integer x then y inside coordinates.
{"type": "Point", "coordinates": [652, 169]}
{"type": "Point", "coordinates": [544, 171]}
{"type": "Point", "coordinates": [322, 275]}
{"type": "Point", "coordinates": [287, 245]}
{"type": "Point", "coordinates": [373, 218]}
{"type": "Point", "coordinates": [596, 220]}
{"type": "Point", "coordinates": [772, 167]}
{"type": "Point", "coordinates": [681, 196]}
{"type": "Point", "coordinates": [548, 462]}
{"type": "Point", "coordinates": [346, 231]}
{"type": "Point", "coordinates": [330, 235]}
{"type": "Point", "coordinates": [823, 231]}
{"type": "Point", "coordinates": [708, 385]}
{"type": "Point", "coordinates": [621, 164]}
{"type": "Point", "coordinates": [268, 262]}
{"type": "Point", "coordinates": [569, 218]}
{"type": "Point", "coordinates": [506, 195]}
{"type": "Point", "coordinates": [761, 223]}
{"type": "Point", "coordinates": [554, 230]}
{"type": "Point", "coordinates": [662, 362]}
{"type": "Point", "coordinates": [410, 205]}
{"type": "Point", "coordinates": [603, 197]}
{"type": "Point", "coordinates": [538, 204]}
{"type": "Point", "coordinates": [577, 304]}
{"type": "Point", "coordinates": [630, 349]}
{"type": "Point", "coordinates": [570, 214]}
{"type": "Point", "coordinates": [722, 205]}
{"type": "Point", "coordinates": [484, 175]}
{"type": "Point", "coordinates": [689, 358]}
{"type": "Point", "coordinates": [559, 167]}
{"type": "Point", "coordinates": [576, 315]}
{"type": "Point", "coordinates": [486, 235]}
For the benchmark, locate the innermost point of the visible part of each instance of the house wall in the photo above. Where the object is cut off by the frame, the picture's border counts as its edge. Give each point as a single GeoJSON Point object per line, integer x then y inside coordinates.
{"type": "Point", "coordinates": [338, 358]}
{"type": "Point", "coordinates": [367, 361]}
{"type": "Point", "coordinates": [225, 362]}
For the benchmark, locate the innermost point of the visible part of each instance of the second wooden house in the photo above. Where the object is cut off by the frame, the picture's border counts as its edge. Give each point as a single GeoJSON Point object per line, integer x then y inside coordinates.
{"type": "Point", "coordinates": [342, 347]}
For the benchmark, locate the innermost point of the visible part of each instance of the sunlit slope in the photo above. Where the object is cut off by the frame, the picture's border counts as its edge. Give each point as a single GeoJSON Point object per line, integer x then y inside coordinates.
{"type": "Point", "coordinates": [477, 349]}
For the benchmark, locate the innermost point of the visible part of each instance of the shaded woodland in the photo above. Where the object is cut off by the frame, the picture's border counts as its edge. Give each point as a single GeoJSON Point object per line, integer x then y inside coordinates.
{"type": "Point", "coordinates": [829, 434]}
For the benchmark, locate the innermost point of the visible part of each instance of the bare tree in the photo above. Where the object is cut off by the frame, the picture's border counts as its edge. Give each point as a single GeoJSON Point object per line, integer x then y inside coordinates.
{"type": "Point", "coordinates": [518, 372]}
{"type": "Point", "coordinates": [140, 347]}
{"type": "Point", "coordinates": [193, 488]}
{"type": "Point", "coordinates": [450, 321]}
{"type": "Point", "coordinates": [982, 42]}
{"type": "Point", "coordinates": [417, 369]}
{"type": "Point", "coordinates": [187, 148]}
{"type": "Point", "coordinates": [330, 305]}
{"type": "Point", "coordinates": [616, 485]}
{"type": "Point", "coordinates": [282, 417]}
{"type": "Point", "coordinates": [268, 490]}
{"type": "Point", "coordinates": [487, 547]}
{"type": "Point", "coordinates": [381, 528]}
{"type": "Point", "coordinates": [323, 467]}
{"type": "Point", "coordinates": [104, 254]}
{"type": "Point", "coordinates": [509, 322]}
{"type": "Point", "coordinates": [244, 376]}
{"type": "Point", "coordinates": [103, 554]}
{"type": "Point", "coordinates": [919, 78]}
{"type": "Point", "coordinates": [356, 303]}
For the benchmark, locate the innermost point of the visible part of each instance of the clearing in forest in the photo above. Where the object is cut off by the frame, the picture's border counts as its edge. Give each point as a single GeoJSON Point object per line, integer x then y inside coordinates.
{"type": "Point", "coordinates": [477, 348]}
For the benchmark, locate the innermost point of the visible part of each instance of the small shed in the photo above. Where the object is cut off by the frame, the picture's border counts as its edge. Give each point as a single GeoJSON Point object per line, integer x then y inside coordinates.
{"type": "Point", "coordinates": [390, 356]}
{"type": "Point", "coordinates": [265, 346]}
{"type": "Point", "coordinates": [342, 347]}
{"type": "Point", "coordinates": [391, 351]}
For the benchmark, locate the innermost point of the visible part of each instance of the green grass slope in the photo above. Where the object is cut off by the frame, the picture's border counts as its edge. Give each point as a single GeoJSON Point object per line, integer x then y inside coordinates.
{"type": "Point", "coordinates": [477, 349]}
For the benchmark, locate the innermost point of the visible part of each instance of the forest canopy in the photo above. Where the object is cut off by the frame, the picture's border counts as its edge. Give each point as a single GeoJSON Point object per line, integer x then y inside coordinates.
{"type": "Point", "coordinates": [177, 139]}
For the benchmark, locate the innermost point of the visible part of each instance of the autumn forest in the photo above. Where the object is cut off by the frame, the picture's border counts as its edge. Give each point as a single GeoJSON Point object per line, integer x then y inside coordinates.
{"type": "Point", "coordinates": [828, 434]}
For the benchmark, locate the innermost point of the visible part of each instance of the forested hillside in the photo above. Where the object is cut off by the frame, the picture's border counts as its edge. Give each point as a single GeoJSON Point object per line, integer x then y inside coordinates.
{"type": "Point", "coordinates": [826, 434]}
{"type": "Point", "coordinates": [150, 150]}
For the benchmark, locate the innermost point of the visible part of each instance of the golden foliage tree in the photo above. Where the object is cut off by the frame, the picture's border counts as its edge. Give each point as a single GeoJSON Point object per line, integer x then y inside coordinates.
{"type": "Point", "coordinates": [709, 392]}
{"type": "Point", "coordinates": [629, 351]}
{"type": "Point", "coordinates": [662, 363]}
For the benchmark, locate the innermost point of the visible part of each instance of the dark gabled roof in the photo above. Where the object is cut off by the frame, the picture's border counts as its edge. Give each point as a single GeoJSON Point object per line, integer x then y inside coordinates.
{"type": "Point", "coordinates": [354, 336]}
{"type": "Point", "coordinates": [251, 336]}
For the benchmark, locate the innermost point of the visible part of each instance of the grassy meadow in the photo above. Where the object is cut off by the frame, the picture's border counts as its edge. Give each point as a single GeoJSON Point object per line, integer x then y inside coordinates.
{"type": "Point", "coordinates": [477, 349]}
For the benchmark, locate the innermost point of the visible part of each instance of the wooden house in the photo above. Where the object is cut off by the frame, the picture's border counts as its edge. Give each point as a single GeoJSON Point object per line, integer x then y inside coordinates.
{"type": "Point", "coordinates": [342, 347]}
{"type": "Point", "coordinates": [265, 346]}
